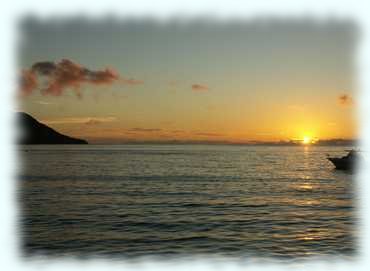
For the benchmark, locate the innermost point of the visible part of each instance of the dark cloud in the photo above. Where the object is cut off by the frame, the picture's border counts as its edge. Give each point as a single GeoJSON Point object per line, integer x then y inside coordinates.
{"type": "Point", "coordinates": [56, 77]}
{"type": "Point", "coordinates": [345, 100]}
{"type": "Point", "coordinates": [198, 87]}
{"type": "Point", "coordinates": [44, 68]}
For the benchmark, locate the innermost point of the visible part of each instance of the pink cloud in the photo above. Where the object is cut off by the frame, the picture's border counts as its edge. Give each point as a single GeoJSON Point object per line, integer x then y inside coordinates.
{"type": "Point", "coordinates": [345, 100]}
{"type": "Point", "coordinates": [198, 87]}
{"type": "Point", "coordinates": [56, 77]}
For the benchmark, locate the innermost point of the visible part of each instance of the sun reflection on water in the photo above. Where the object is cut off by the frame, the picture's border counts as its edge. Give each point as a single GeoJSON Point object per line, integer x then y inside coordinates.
{"type": "Point", "coordinates": [306, 186]}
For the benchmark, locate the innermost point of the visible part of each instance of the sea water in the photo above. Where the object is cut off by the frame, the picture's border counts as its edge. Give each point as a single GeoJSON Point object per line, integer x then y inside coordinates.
{"type": "Point", "coordinates": [129, 201]}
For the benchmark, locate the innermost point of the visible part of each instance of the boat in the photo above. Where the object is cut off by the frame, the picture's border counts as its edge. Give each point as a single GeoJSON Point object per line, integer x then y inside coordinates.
{"type": "Point", "coordinates": [346, 162]}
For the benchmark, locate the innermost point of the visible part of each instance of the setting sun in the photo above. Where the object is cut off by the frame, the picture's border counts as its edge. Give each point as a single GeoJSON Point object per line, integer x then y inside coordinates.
{"type": "Point", "coordinates": [306, 140]}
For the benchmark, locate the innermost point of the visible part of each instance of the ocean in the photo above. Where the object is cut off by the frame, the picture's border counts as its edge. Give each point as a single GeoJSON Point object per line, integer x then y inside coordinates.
{"type": "Point", "coordinates": [131, 201]}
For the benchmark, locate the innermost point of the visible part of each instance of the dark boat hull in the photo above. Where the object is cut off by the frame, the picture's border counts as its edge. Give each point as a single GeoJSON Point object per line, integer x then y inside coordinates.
{"type": "Point", "coordinates": [342, 163]}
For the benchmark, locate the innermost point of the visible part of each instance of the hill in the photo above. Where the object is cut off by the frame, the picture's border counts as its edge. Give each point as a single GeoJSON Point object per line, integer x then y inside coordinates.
{"type": "Point", "coordinates": [34, 132]}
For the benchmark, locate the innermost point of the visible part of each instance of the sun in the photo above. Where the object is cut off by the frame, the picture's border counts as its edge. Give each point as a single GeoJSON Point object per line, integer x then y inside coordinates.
{"type": "Point", "coordinates": [306, 140]}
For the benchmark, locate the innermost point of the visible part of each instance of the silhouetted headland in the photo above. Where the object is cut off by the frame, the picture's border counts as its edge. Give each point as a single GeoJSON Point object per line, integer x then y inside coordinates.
{"type": "Point", "coordinates": [34, 132]}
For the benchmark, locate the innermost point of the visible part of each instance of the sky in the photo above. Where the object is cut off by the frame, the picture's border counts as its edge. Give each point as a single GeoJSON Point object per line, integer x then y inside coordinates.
{"type": "Point", "coordinates": [112, 81]}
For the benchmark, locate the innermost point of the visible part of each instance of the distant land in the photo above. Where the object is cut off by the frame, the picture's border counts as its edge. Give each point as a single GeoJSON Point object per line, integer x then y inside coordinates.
{"type": "Point", "coordinates": [34, 132]}
{"type": "Point", "coordinates": [321, 142]}
{"type": "Point", "coordinates": [326, 142]}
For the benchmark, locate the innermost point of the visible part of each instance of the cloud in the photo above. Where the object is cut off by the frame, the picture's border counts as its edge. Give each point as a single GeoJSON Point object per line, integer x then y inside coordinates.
{"type": "Point", "coordinates": [131, 81]}
{"type": "Point", "coordinates": [28, 81]}
{"type": "Point", "coordinates": [208, 134]}
{"type": "Point", "coordinates": [53, 78]}
{"type": "Point", "coordinates": [81, 120]}
{"type": "Point", "coordinates": [94, 121]}
{"type": "Point", "coordinates": [145, 130]}
{"type": "Point", "coordinates": [177, 131]}
{"type": "Point", "coordinates": [198, 87]}
{"type": "Point", "coordinates": [44, 68]}
{"type": "Point", "coordinates": [345, 100]}
{"type": "Point", "coordinates": [43, 103]}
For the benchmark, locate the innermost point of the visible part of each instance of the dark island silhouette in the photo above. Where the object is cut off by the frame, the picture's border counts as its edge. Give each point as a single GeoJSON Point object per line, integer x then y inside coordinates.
{"type": "Point", "coordinates": [34, 132]}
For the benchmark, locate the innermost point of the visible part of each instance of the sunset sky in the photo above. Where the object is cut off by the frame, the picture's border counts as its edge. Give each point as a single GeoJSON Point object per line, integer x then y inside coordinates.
{"type": "Point", "coordinates": [264, 80]}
